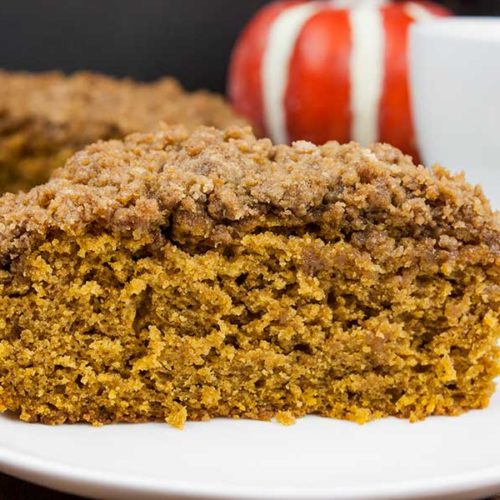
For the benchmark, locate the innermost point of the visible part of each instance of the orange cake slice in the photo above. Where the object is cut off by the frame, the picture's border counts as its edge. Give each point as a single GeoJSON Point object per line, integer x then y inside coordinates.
{"type": "Point", "coordinates": [178, 275]}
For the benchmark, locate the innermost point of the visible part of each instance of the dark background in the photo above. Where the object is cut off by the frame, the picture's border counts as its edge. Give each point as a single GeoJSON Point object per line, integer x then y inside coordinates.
{"type": "Point", "coordinates": [191, 39]}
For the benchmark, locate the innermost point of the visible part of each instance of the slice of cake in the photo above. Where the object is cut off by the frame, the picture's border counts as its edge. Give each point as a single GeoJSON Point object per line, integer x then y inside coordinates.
{"type": "Point", "coordinates": [178, 276]}
{"type": "Point", "coordinates": [46, 117]}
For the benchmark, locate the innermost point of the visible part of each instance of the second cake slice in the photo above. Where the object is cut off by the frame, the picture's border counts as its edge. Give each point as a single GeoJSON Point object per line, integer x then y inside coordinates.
{"type": "Point", "coordinates": [46, 117]}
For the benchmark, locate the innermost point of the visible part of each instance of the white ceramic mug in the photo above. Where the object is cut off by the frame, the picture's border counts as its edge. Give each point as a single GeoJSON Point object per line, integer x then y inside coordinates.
{"type": "Point", "coordinates": [455, 85]}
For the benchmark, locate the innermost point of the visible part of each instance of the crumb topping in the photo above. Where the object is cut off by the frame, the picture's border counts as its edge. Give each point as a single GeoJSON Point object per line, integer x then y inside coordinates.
{"type": "Point", "coordinates": [209, 187]}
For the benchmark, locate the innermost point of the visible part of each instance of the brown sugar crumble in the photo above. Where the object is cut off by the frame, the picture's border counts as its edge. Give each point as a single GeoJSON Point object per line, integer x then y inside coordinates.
{"type": "Point", "coordinates": [46, 117]}
{"type": "Point", "coordinates": [184, 275]}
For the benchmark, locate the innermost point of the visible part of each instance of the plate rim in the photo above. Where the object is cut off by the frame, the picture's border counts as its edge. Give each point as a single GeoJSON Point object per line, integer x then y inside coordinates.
{"type": "Point", "coordinates": [48, 472]}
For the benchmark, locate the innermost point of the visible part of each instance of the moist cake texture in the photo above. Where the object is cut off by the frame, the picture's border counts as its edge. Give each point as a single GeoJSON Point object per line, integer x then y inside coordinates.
{"type": "Point", "coordinates": [46, 117]}
{"type": "Point", "coordinates": [178, 275]}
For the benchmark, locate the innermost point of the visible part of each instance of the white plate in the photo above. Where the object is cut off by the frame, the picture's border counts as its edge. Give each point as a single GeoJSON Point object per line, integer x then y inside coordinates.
{"type": "Point", "coordinates": [440, 457]}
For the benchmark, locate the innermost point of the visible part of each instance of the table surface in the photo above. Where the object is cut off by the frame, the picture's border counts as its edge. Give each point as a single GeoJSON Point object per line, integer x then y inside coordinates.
{"type": "Point", "coordinates": [15, 489]}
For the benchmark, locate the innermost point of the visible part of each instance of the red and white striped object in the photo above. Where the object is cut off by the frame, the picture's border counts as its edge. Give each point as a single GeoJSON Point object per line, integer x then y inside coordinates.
{"type": "Point", "coordinates": [328, 69]}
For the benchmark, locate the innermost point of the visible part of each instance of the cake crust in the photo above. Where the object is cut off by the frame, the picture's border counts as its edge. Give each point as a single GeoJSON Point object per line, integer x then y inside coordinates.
{"type": "Point", "coordinates": [185, 275]}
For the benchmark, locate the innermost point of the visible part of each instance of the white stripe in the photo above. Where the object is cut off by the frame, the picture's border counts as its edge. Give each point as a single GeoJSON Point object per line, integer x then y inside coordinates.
{"type": "Point", "coordinates": [350, 4]}
{"type": "Point", "coordinates": [275, 66]}
{"type": "Point", "coordinates": [367, 72]}
{"type": "Point", "coordinates": [418, 12]}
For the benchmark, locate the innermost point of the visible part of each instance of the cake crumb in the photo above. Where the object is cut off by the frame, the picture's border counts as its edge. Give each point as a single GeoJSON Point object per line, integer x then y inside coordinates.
{"type": "Point", "coordinates": [285, 418]}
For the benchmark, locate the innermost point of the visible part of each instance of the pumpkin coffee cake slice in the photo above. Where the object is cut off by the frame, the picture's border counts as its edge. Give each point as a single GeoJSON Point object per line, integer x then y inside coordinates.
{"type": "Point", "coordinates": [180, 275]}
{"type": "Point", "coordinates": [46, 117]}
